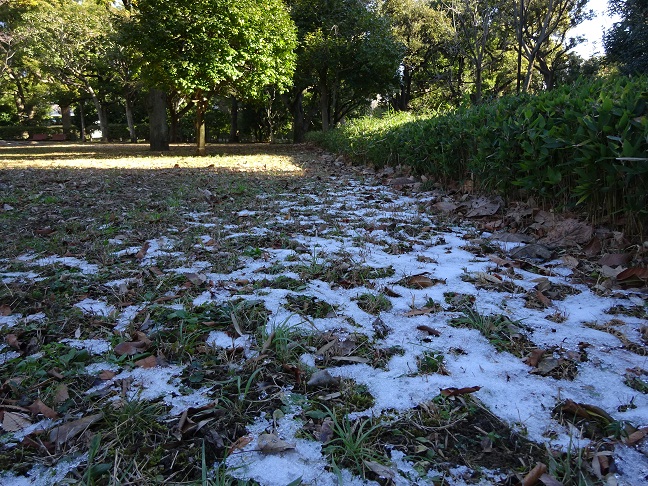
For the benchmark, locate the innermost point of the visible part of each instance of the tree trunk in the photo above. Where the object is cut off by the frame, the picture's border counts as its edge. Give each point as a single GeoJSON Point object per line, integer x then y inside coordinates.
{"type": "Point", "coordinates": [175, 123]}
{"type": "Point", "coordinates": [296, 107]}
{"type": "Point", "coordinates": [66, 118]}
{"type": "Point", "coordinates": [201, 108]}
{"type": "Point", "coordinates": [83, 127]}
{"type": "Point", "coordinates": [234, 134]}
{"type": "Point", "coordinates": [129, 119]}
{"type": "Point", "coordinates": [101, 113]}
{"type": "Point", "coordinates": [324, 107]}
{"type": "Point", "coordinates": [159, 130]}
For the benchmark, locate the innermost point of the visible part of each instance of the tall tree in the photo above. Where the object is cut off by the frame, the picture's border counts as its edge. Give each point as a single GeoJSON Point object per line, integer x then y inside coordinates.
{"type": "Point", "coordinates": [545, 25]}
{"type": "Point", "coordinates": [202, 47]}
{"type": "Point", "coordinates": [347, 55]}
{"type": "Point", "coordinates": [421, 29]}
{"type": "Point", "coordinates": [627, 42]}
{"type": "Point", "coordinates": [69, 39]}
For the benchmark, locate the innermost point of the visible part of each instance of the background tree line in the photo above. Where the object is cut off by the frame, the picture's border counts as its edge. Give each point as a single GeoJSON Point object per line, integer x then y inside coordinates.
{"type": "Point", "coordinates": [257, 68]}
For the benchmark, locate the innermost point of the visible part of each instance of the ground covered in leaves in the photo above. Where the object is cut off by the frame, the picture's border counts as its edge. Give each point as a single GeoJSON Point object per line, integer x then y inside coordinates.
{"type": "Point", "coordinates": [270, 315]}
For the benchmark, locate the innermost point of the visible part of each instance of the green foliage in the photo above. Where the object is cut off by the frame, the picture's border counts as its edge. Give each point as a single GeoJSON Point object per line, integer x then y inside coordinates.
{"type": "Point", "coordinates": [200, 45]}
{"type": "Point", "coordinates": [584, 145]}
{"type": "Point", "coordinates": [627, 41]}
{"type": "Point", "coordinates": [347, 55]}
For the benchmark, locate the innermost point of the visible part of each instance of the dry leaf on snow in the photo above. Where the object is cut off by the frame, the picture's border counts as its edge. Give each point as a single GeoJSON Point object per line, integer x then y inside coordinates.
{"type": "Point", "coordinates": [534, 357]}
{"type": "Point", "coordinates": [323, 379]}
{"type": "Point", "coordinates": [380, 470]}
{"type": "Point", "coordinates": [424, 311]}
{"type": "Point", "coordinates": [140, 254]}
{"type": "Point", "coordinates": [430, 330]}
{"type": "Point", "coordinates": [422, 282]}
{"type": "Point", "coordinates": [272, 444]}
{"type": "Point", "coordinates": [146, 363]}
{"type": "Point", "coordinates": [454, 392]}
{"type": "Point", "coordinates": [240, 443]}
{"type": "Point", "coordinates": [636, 437]}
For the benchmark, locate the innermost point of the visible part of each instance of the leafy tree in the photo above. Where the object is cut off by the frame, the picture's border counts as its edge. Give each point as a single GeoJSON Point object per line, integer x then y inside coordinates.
{"type": "Point", "coordinates": [346, 56]}
{"type": "Point", "coordinates": [421, 29]}
{"type": "Point", "coordinates": [483, 39]}
{"type": "Point", "coordinates": [544, 40]}
{"type": "Point", "coordinates": [69, 41]}
{"type": "Point", "coordinates": [199, 48]}
{"type": "Point", "coordinates": [627, 42]}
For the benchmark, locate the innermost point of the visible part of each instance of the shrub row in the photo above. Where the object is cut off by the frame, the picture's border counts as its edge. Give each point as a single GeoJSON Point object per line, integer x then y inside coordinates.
{"type": "Point", "coordinates": [585, 144]}
{"type": "Point", "coordinates": [21, 132]}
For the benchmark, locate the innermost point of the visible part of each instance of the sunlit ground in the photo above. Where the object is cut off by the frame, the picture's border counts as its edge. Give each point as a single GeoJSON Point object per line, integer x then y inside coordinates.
{"type": "Point", "coordinates": [242, 158]}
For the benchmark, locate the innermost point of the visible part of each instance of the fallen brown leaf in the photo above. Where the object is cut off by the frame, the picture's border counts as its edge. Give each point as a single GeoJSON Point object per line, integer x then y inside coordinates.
{"type": "Point", "coordinates": [129, 348]}
{"type": "Point", "coordinates": [390, 293]}
{"type": "Point", "coordinates": [12, 340]}
{"type": "Point", "coordinates": [107, 375]}
{"type": "Point", "coordinates": [423, 311]}
{"type": "Point", "coordinates": [44, 231]}
{"type": "Point", "coordinates": [534, 357]}
{"type": "Point", "coordinates": [240, 443]}
{"type": "Point", "coordinates": [454, 392]}
{"type": "Point", "coordinates": [5, 310]}
{"type": "Point", "coordinates": [61, 394]}
{"type": "Point", "coordinates": [146, 363]}
{"type": "Point", "coordinates": [430, 330]}
{"type": "Point", "coordinates": [272, 444]}
{"type": "Point", "coordinates": [615, 259]}
{"type": "Point", "coordinates": [140, 254]}
{"type": "Point", "coordinates": [532, 478]}
{"type": "Point", "coordinates": [69, 430]}
{"type": "Point", "coordinates": [421, 282]}
{"type": "Point", "coordinates": [593, 247]}
{"type": "Point", "coordinates": [14, 421]}
{"type": "Point", "coordinates": [326, 432]}
{"type": "Point", "coordinates": [636, 436]}
{"type": "Point", "coordinates": [38, 407]}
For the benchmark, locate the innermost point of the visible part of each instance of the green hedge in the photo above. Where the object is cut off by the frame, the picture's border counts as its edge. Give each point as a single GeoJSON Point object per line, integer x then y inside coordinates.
{"type": "Point", "coordinates": [585, 144]}
{"type": "Point", "coordinates": [21, 132]}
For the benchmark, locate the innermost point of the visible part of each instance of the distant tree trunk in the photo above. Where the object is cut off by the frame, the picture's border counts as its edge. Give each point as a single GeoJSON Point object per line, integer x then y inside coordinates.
{"type": "Point", "coordinates": [548, 73]}
{"type": "Point", "coordinates": [234, 135]}
{"type": "Point", "coordinates": [201, 135]}
{"type": "Point", "coordinates": [159, 130]}
{"type": "Point", "coordinates": [129, 119]}
{"type": "Point", "coordinates": [82, 116]}
{"type": "Point", "coordinates": [324, 107]}
{"type": "Point", "coordinates": [66, 118]}
{"type": "Point", "coordinates": [101, 113]}
{"type": "Point", "coordinates": [296, 106]}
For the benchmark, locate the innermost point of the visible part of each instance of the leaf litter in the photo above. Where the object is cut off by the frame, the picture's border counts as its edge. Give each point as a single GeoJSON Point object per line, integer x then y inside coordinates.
{"type": "Point", "coordinates": [236, 315]}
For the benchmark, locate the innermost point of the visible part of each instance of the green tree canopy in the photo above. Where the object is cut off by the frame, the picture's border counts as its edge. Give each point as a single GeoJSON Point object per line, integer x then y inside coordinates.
{"type": "Point", "coordinates": [203, 47]}
{"type": "Point", "coordinates": [627, 42]}
{"type": "Point", "coordinates": [347, 54]}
